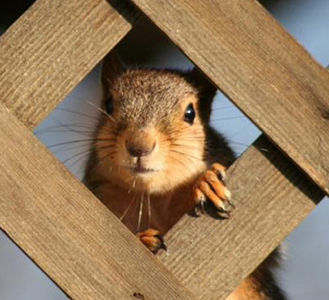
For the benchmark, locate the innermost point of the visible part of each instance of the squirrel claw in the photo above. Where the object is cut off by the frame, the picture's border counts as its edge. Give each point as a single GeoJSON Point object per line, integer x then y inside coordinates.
{"type": "Point", "coordinates": [223, 214]}
{"type": "Point", "coordinates": [152, 239]}
{"type": "Point", "coordinates": [231, 203]}
{"type": "Point", "coordinates": [210, 189]}
{"type": "Point", "coordinates": [199, 209]}
{"type": "Point", "coordinates": [219, 171]}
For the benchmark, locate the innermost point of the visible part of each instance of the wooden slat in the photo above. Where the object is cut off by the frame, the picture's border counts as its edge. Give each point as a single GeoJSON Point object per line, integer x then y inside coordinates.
{"type": "Point", "coordinates": [271, 195]}
{"type": "Point", "coordinates": [247, 54]}
{"type": "Point", "coordinates": [67, 231]}
{"type": "Point", "coordinates": [51, 48]}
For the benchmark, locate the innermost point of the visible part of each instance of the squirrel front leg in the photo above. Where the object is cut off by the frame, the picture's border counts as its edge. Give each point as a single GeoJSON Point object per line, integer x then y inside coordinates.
{"type": "Point", "coordinates": [209, 191]}
{"type": "Point", "coordinates": [152, 239]}
{"type": "Point", "coordinates": [210, 188]}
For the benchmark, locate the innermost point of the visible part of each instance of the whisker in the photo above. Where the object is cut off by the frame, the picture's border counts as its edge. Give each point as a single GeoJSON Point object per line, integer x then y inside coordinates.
{"type": "Point", "coordinates": [88, 151]}
{"type": "Point", "coordinates": [127, 209]}
{"type": "Point", "coordinates": [77, 113]}
{"type": "Point", "coordinates": [91, 147]}
{"type": "Point", "coordinates": [81, 99]}
{"type": "Point", "coordinates": [83, 133]}
{"type": "Point", "coordinates": [223, 107]}
{"type": "Point", "coordinates": [74, 128]}
{"type": "Point", "coordinates": [140, 212]}
{"type": "Point", "coordinates": [101, 110]}
{"type": "Point", "coordinates": [186, 137]}
{"type": "Point", "coordinates": [149, 210]}
{"type": "Point", "coordinates": [78, 141]}
{"type": "Point", "coordinates": [70, 126]}
{"type": "Point", "coordinates": [61, 124]}
{"type": "Point", "coordinates": [185, 146]}
{"type": "Point", "coordinates": [133, 185]}
{"type": "Point", "coordinates": [227, 118]}
{"type": "Point", "coordinates": [187, 155]}
{"type": "Point", "coordinates": [238, 143]}
{"type": "Point", "coordinates": [74, 125]}
{"type": "Point", "coordinates": [99, 162]}
{"type": "Point", "coordinates": [241, 131]}
{"type": "Point", "coordinates": [94, 149]}
{"type": "Point", "coordinates": [79, 159]}
{"type": "Point", "coordinates": [188, 169]}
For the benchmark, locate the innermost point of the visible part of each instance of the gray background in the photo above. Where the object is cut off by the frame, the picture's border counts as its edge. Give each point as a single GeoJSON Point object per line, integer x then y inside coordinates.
{"type": "Point", "coordinates": [305, 272]}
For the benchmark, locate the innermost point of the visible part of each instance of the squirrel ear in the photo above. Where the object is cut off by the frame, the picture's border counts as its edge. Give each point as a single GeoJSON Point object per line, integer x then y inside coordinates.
{"type": "Point", "coordinates": [206, 91]}
{"type": "Point", "coordinates": [112, 67]}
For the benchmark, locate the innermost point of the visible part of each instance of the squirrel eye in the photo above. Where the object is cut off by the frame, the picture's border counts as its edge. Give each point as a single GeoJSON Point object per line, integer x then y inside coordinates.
{"type": "Point", "coordinates": [189, 114]}
{"type": "Point", "coordinates": [109, 105]}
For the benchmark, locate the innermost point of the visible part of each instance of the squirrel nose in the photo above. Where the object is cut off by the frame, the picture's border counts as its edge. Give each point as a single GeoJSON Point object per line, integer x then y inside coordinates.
{"type": "Point", "coordinates": [136, 149]}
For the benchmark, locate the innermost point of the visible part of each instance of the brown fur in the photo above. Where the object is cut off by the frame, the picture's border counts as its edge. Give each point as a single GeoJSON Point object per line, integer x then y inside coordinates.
{"type": "Point", "coordinates": [148, 112]}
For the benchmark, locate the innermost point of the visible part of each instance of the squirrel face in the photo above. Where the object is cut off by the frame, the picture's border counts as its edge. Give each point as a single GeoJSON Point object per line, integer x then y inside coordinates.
{"type": "Point", "coordinates": [152, 138]}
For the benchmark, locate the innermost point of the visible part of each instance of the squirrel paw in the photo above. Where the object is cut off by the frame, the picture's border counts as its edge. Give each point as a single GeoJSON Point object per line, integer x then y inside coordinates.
{"type": "Point", "coordinates": [210, 187]}
{"type": "Point", "coordinates": [152, 239]}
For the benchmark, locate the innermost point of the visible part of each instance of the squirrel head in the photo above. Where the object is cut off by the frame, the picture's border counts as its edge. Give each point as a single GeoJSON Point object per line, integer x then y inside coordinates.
{"type": "Point", "coordinates": [151, 137]}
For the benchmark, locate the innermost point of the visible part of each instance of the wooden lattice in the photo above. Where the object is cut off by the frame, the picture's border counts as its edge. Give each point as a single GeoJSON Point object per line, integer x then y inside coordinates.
{"type": "Point", "coordinates": [71, 235]}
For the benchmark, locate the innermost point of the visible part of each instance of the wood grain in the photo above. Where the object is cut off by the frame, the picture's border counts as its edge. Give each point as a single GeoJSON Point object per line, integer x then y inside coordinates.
{"type": "Point", "coordinates": [74, 238]}
{"type": "Point", "coordinates": [51, 48]}
{"type": "Point", "coordinates": [267, 74]}
{"type": "Point", "coordinates": [271, 195]}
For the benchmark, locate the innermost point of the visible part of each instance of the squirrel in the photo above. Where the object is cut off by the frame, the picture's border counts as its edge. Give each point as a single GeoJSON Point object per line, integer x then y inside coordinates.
{"type": "Point", "coordinates": [155, 157]}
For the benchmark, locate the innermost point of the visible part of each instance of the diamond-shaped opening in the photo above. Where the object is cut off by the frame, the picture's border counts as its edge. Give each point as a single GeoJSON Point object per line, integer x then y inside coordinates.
{"type": "Point", "coordinates": [75, 118]}
{"type": "Point", "coordinates": [68, 131]}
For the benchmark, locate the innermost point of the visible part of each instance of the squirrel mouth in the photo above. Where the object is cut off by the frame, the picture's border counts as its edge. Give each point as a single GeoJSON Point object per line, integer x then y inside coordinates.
{"type": "Point", "coordinates": [139, 169]}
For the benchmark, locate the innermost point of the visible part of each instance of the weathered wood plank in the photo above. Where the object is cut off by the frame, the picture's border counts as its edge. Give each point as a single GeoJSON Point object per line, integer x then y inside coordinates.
{"type": "Point", "coordinates": [247, 54]}
{"type": "Point", "coordinates": [271, 195]}
{"type": "Point", "coordinates": [74, 238]}
{"type": "Point", "coordinates": [51, 48]}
